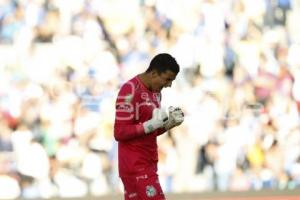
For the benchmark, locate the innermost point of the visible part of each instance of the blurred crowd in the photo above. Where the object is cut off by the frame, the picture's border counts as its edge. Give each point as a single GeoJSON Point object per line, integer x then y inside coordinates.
{"type": "Point", "coordinates": [63, 61]}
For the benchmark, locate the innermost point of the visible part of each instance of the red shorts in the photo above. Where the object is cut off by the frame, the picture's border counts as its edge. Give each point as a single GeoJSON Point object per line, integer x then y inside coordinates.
{"type": "Point", "coordinates": [143, 187]}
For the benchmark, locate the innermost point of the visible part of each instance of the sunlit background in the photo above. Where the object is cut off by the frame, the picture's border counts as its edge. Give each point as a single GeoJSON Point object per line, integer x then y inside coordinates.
{"type": "Point", "coordinates": [63, 61]}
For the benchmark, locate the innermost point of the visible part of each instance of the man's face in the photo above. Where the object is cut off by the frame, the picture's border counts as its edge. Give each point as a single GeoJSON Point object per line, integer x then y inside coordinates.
{"type": "Point", "coordinates": [162, 80]}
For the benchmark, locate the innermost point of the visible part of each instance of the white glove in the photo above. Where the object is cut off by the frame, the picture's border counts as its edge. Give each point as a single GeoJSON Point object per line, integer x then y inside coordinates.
{"type": "Point", "coordinates": [158, 120]}
{"type": "Point", "coordinates": [176, 117]}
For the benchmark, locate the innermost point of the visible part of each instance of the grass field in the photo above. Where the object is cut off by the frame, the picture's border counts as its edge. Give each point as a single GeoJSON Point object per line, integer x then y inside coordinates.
{"type": "Point", "coordinates": [252, 198]}
{"type": "Point", "coordinates": [248, 195]}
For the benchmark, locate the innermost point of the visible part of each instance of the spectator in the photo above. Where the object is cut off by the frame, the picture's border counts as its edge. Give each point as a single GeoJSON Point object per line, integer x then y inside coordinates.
{"type": "Point", "coordinates": [62, 63]}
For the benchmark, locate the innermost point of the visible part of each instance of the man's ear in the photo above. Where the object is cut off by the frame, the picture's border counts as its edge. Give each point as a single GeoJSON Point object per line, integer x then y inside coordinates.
{"type": "Point", "coordinates": [154, 73]}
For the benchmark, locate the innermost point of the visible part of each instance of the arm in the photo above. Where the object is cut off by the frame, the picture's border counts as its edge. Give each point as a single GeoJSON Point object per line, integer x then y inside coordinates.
{"type": "Point", "coordinates": [125, 127]}
{"type": "Point", "coordinates": [126, 132]}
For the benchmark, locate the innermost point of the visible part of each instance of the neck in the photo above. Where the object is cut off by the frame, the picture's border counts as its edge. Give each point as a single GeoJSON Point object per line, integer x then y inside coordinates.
{"type": "Point", "coordinates": [144, 77]}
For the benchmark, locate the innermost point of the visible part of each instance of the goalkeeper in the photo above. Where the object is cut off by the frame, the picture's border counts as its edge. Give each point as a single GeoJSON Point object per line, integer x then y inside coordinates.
{"type": "Point", "coordinates": [139, 120]}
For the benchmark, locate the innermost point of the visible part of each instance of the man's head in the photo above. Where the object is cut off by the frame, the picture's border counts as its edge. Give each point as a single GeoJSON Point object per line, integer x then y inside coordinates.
{"type": "Point", "coordinates": [162, 70]}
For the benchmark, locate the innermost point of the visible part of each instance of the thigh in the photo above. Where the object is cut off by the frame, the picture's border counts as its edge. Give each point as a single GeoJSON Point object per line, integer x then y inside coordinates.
{"type": "Point", "coordinates": [130, 189]}
{"type": "Point", "coordinates": [148, 188]}
{"type": "Point", "coordinates": [144, 187]}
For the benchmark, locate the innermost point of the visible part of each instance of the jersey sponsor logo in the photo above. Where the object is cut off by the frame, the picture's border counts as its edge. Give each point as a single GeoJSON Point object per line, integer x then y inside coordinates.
{"type": "Point", "coordinates": [124, 107]}
{"type": "Point", "coordinates": [150, 191]}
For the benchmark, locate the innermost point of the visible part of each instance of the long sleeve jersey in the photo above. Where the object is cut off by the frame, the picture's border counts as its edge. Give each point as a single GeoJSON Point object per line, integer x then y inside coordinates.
{"type": "Point", "coordinates": [137, 152]}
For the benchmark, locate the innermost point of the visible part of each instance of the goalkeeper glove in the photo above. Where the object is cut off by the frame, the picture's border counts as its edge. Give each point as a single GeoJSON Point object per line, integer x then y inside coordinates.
{"type": "Point", "coordinates": [176, 117]}
{"type": "Point", "coordinates": [158, 120]}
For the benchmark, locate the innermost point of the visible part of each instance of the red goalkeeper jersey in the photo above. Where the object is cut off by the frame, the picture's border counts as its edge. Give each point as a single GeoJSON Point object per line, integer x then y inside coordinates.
{"type": "Point", "coordinates": [137, 152]}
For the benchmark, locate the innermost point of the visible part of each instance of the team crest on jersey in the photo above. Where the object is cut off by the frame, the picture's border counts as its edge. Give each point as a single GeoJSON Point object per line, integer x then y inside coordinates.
{"type": "Point", "coordinates": [128, 98]}
{"type": "Point", "coordinates": [150, 191]}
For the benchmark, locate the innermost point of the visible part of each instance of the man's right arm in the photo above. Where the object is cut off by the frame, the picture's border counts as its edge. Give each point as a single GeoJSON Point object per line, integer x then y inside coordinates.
{"type": "Point", "coordinates": [125, 132]}
{"type": "Point", "coordinates": [125, 127]}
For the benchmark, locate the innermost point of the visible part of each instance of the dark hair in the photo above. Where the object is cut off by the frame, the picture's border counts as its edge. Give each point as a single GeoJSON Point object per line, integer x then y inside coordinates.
{"type": "Point", "coordinates": [163, 62]}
